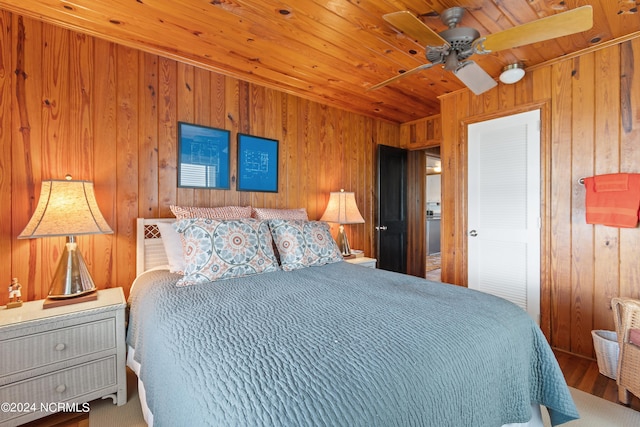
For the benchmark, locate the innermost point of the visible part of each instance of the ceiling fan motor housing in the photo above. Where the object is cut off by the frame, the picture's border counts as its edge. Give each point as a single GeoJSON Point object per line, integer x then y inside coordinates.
{"type": "Point", "coordinates": [460, 40]}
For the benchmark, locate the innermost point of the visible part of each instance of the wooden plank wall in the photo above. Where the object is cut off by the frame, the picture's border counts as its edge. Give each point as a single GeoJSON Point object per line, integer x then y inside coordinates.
{"type": "Point", "coordinates": [415, 136]}
{"type": "Point", "coordinates": [71, 103]}
{"type": "Point", "coordinates": [416, 213]}
{"type": "Point", "coordinates": [591, 125]}
{"type": "Point", "coordinates": [419, 134]}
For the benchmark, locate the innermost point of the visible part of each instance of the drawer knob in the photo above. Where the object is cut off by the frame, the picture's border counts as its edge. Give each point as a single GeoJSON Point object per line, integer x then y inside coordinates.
{"type": "Point", "coordinates": [61, 388]}
{"type": "Point", "coordinates": [60, 347]}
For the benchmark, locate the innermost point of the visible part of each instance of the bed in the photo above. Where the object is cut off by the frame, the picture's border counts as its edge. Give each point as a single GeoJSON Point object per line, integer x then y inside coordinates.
{"type": "Point", "coordinates": [334, 344]}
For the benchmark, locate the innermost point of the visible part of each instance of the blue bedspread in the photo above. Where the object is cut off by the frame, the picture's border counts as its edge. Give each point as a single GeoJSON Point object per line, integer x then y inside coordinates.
{"type": "Point", "coordinates": [338, 345]}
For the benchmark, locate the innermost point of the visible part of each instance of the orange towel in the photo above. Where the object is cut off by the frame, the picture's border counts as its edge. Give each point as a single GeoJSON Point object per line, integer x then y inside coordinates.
{"type": "Point", "coordinates": [613, 199]}
{"type": "Point", "coordinates": [611, 182]}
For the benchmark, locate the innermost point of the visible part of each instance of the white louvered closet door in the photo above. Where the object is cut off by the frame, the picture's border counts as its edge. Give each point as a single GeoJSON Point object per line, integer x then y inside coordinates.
{"type": "Point", "coordinates": [504, 209]}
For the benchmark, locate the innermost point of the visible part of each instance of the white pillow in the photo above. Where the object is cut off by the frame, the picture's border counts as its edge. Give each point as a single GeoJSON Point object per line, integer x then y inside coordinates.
{"type": "Point", "coordinates": [172, 242]}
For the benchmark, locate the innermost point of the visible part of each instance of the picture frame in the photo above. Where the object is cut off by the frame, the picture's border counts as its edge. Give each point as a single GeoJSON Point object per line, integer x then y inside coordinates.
{"type": "Point", "coordinates": [203, 157]}
{"type": "Point", "coordinates": [257, 164]}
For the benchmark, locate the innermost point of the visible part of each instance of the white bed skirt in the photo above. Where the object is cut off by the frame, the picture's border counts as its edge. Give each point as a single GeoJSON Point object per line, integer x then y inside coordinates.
{"type": "Point", "coordinates": [135, 367]}
{"type": "Point", "coordinates": [535, 421]}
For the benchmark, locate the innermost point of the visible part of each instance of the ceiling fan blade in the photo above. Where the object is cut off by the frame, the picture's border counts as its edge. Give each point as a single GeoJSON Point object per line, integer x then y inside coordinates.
{"type": "Point", "coordinates": [399, 76]}
{"type": "Point", "coordinates": [409, 24]}
{"type": "Point", "coordinates": [475, 78]}
{"type": "Point", "coordinates": [561, 24]}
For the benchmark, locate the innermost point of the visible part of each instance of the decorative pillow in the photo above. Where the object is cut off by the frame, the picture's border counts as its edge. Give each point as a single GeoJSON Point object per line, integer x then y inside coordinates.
{"type": "Point", "coordinates": [172, 243]}
{"type": "Point", "coordinates": [292, 214]}
{"type": "Point", "coordinates": [224, 212]}
{"type": "Point", "coordinates": [304, 243]}
{"type": "Point", "coordinates": [221, 249]}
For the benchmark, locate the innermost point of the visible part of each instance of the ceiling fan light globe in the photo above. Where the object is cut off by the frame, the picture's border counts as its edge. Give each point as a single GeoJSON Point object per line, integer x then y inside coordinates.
{"type": "Point", "coordinates": [512, 73]}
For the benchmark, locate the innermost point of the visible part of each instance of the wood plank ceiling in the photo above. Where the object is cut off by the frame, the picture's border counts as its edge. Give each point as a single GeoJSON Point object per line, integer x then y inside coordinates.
{"type": "Point", "coordinates": [329, 51]}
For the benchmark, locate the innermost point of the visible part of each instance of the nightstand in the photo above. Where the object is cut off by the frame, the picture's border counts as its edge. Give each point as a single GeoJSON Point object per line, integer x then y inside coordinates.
{"type": "Point", "coordinates": [363, 262]}
{"type": "Point", "coordinates": [56, 359]}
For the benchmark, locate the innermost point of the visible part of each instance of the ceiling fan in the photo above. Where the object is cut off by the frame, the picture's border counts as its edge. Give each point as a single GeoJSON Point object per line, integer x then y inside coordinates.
{"type": "Point", "coordinates": [454, 45]}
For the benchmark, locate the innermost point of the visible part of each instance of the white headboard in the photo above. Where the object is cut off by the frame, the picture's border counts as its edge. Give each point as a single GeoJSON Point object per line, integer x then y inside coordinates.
{"type": "Point", "coordinates": [149, 248]}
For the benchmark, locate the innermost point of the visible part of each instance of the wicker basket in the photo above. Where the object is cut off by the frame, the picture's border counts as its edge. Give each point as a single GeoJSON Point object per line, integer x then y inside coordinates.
{"type": "Point", "coordinates": [607, 349]}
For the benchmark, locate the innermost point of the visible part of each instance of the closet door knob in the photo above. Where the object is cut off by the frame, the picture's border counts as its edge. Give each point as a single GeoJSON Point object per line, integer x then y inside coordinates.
{"type": "Point", "coordinates": [61, 388]}
{"type": "Point", "coordinates": [60, 347]}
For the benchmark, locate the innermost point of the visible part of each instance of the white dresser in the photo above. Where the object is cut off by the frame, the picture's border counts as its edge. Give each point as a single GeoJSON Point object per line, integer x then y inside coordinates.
{"type": "Point", "coordinates": [56, 359]}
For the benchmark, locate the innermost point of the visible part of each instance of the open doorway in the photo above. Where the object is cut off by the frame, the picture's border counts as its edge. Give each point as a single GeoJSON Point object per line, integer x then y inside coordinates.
{"type": "Point", "coordinates": [433, 212]}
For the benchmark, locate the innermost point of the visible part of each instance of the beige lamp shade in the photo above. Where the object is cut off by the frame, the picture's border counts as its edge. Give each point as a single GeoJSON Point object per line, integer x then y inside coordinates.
{"type": "Point", "coordinates": [342, 209]}
{"type": "Point", "coordinates": [66, 208]}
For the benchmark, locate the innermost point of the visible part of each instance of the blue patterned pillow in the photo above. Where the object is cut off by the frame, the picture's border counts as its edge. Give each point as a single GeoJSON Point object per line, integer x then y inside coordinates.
{"type": "Point", "coordinates": [221, 249]}
{"type": "Point", "coordinates": [304, 243]}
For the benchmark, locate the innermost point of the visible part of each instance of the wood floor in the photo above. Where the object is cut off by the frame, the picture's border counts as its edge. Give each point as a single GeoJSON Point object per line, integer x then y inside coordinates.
{"type": "Point", "coordinates": [583, 374]}
{"type": "Point", "coordinates": [61, 420]}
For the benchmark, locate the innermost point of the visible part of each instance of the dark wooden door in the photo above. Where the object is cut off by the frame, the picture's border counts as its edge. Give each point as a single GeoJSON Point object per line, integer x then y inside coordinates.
{"type": "Point", "coordinates": [391, 230]}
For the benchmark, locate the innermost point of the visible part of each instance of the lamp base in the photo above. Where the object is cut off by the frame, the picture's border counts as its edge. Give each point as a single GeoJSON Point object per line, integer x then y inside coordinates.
{"type": "Point", "coordinates": [72, 277]}
{"type": "Point", "coordinates": [50, 302]}
{"type": "Point", "coordinates": [343, 242]}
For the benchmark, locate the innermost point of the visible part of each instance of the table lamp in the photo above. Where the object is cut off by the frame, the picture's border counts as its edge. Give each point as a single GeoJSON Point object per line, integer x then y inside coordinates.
{"type": "Point", "coordinates": [67, 208]}
{"type": "Point", "coordinates": [342, 209]}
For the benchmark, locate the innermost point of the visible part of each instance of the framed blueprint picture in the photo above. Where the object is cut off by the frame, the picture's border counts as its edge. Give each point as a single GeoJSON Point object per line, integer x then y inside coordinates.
{"type": "Point", "coordinates": [203, 157]}
{"type": "Point", "coordinates": [257, 164]}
